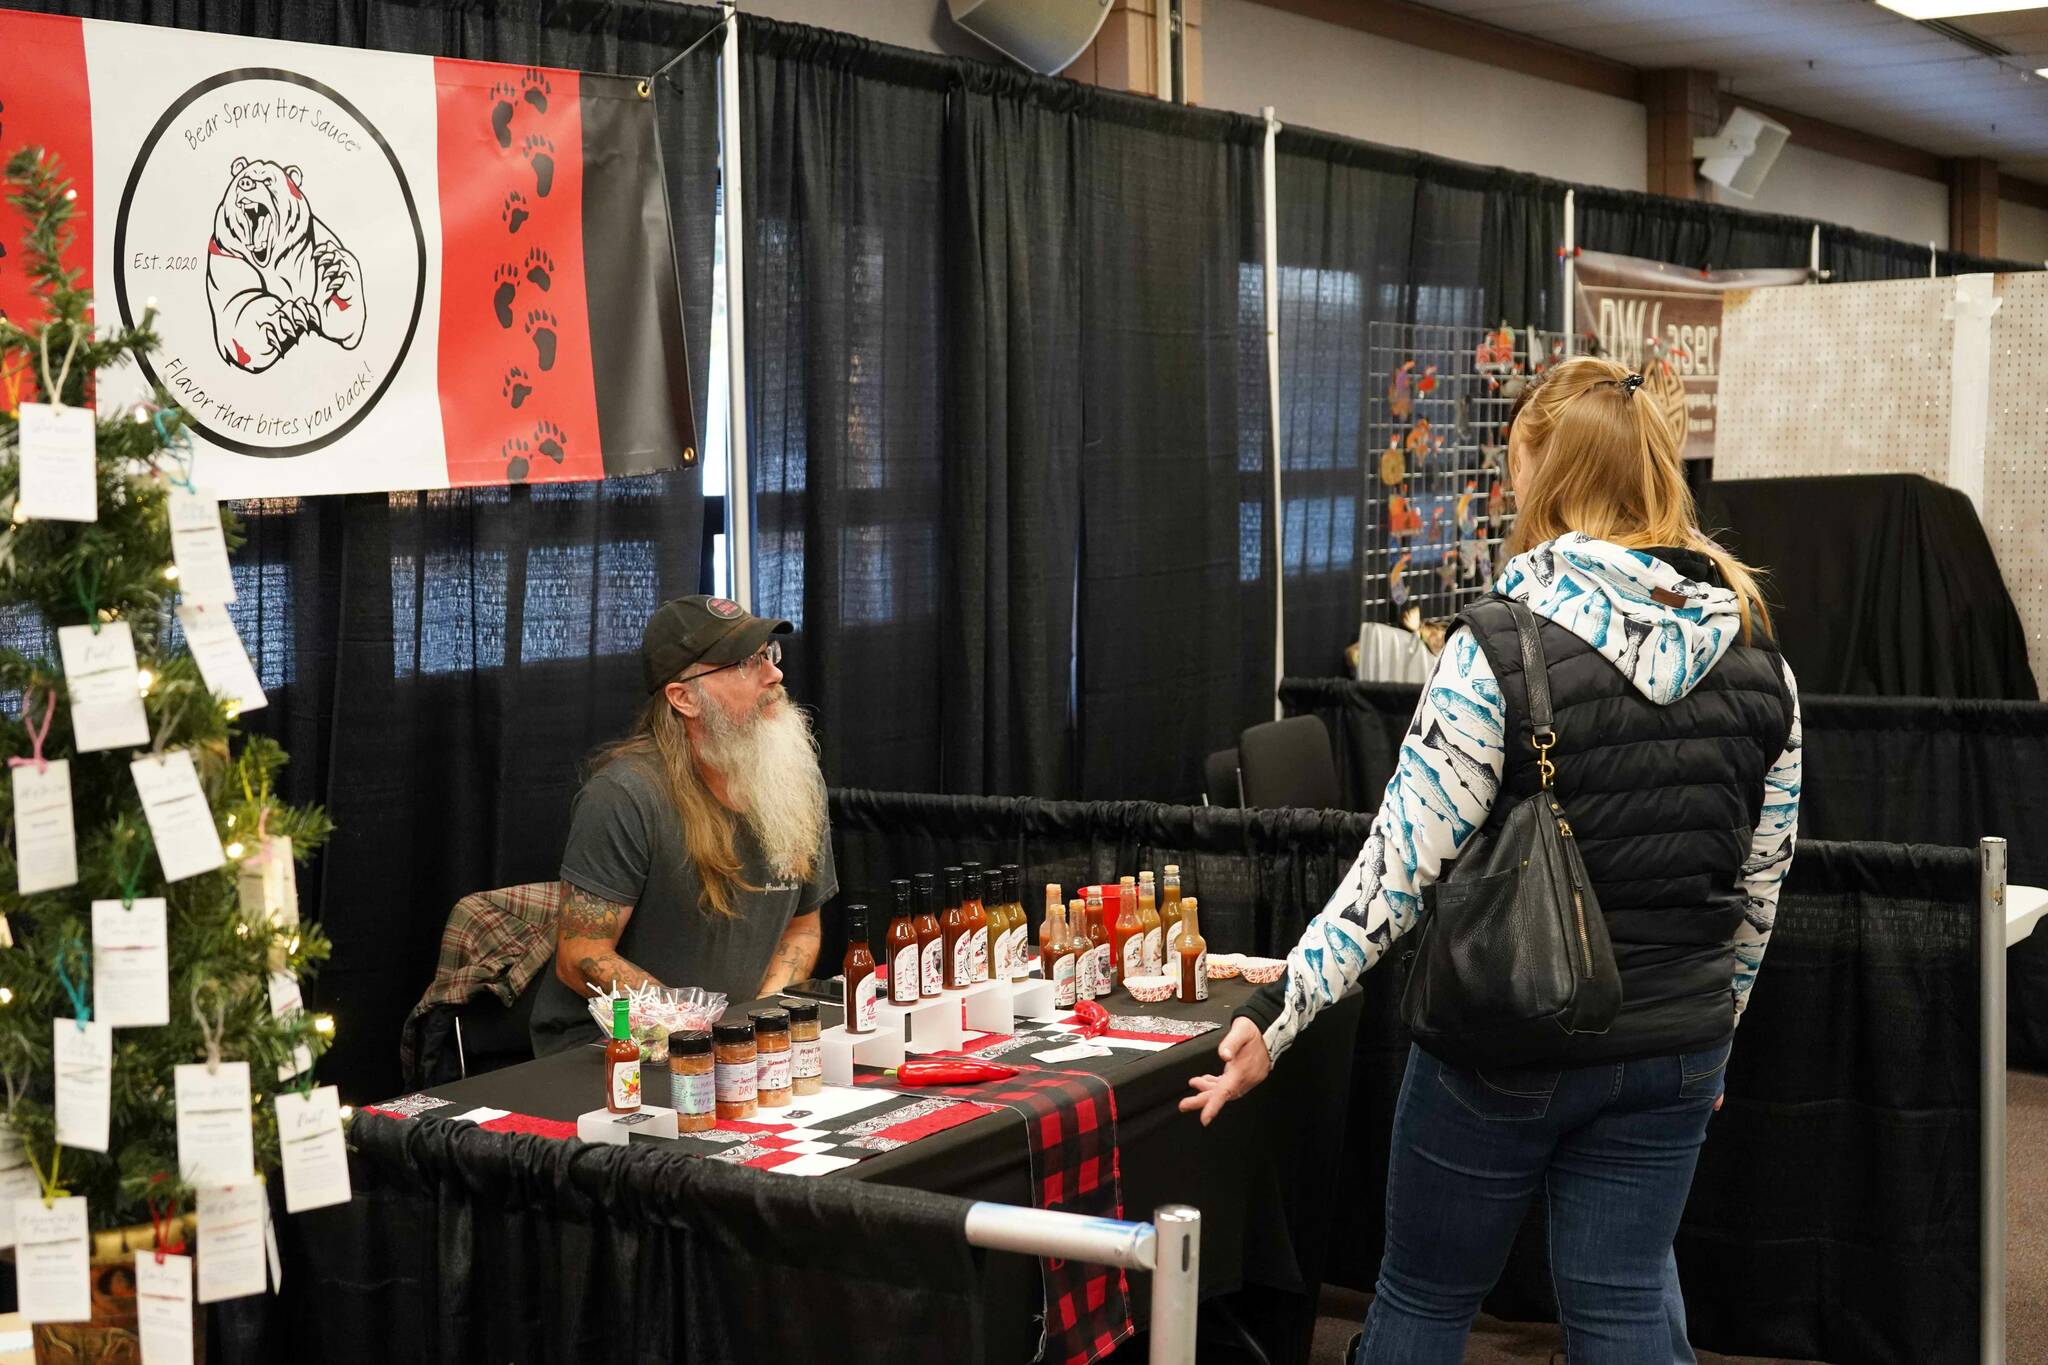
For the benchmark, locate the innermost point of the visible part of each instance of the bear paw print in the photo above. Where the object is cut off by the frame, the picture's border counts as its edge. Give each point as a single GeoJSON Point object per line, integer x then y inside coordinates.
{"type": "Point", "coordinates": [502, 96]}
{"type": "Point", "coordinates": [518, 385]}
{"type": "Point", "coordinates": [513, 211]}
{"type": "Point", "coordinates": [506, 278]}
{"type": "Point", "coordinates": [551, 440]}
{"type": "Point", "coordinates": [540, 326]}
{"type": "Point", "coordinates": [515, 452]}
{"type": "Point", "coordinates": [535, 90]}
{"type": "Point", "coordinates": [540, 154]}
{"type": "Point", "coordinates": [540, 269]}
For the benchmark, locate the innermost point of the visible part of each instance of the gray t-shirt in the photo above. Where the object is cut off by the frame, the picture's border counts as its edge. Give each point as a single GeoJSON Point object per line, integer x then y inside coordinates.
{"type": "Point", "coordinates": [626, 845]}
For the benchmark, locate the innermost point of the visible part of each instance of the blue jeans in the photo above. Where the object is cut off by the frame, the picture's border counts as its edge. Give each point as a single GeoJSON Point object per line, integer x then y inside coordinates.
{"type": "Point", "coordinates": [1613, 1147]}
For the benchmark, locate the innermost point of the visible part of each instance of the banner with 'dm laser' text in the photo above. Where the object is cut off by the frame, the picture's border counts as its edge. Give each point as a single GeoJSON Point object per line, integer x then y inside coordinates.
{"type": "Point", "coordinates": [369, 270]}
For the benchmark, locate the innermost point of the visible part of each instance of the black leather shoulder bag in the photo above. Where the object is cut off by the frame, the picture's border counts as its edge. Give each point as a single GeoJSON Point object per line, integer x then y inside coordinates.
{"type": "Point", "coordinates": [1512, 957]}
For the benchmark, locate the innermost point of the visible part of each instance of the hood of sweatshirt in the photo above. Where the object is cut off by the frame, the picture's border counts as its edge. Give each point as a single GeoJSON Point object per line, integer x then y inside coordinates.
{"type": "Point", "coordinates": [1662, 628]}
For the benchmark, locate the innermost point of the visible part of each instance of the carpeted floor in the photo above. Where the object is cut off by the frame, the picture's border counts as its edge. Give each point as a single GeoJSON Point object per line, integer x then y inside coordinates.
{"type": "Point", "coordinates": [1513, 1343]}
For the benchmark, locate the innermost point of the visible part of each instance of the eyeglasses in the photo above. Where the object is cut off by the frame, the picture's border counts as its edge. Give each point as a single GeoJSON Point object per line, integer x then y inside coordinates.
{"type": "Point", "coordinates": [770, 653]}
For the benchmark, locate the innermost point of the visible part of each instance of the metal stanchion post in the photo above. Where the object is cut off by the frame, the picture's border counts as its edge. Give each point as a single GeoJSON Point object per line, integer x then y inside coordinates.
{"type": "Point", "coordinates": [1176, 1283]}
{"type": "Point", "coordinates": [1991, 932]}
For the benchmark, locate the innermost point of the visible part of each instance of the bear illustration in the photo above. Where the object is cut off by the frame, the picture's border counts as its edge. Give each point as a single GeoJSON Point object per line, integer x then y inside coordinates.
{"type": "Point", "coordinates": [276, 274]}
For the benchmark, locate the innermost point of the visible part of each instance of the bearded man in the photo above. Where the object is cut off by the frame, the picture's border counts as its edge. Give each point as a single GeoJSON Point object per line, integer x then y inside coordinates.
{"type": "Point", "coordinates": [698, 850]}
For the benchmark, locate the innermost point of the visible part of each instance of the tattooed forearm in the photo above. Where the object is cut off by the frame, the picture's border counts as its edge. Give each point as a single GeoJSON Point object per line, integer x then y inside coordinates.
{"type": "Point", "coordinates": [587, 916]}
{"type": "Point", "coordinates": [794, 956]}
{"type": "Point", "coordinates": [609, 971]}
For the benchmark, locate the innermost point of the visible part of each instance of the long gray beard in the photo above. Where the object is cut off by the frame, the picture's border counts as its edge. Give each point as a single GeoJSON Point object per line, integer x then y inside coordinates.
{"type": "Point", "coordinates": [772, 778]}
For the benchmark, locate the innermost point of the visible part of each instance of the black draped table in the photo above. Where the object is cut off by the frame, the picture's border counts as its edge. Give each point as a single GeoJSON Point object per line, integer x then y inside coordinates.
{"type": "Point", "coordinates": [1267, 1215]}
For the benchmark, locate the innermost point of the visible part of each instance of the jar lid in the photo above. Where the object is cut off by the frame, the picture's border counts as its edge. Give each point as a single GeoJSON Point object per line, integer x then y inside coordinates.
{"type": "Point", "coordinates": [689, 1041]}
{"type": "Point", "coordinates": [734, 1031]}
{"type": "Point", "coordinates": [770, 1021]}
{"type": "Point", "coordinates": [802, 1011]}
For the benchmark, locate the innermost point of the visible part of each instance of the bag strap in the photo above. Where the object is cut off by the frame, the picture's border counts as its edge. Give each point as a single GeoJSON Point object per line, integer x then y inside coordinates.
{"type": "Point", "coordinates": [1536, 681]}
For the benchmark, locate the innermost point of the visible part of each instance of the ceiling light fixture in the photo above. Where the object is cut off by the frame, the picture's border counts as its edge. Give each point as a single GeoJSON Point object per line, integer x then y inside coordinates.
{"type": "Point", "coordinates": [1952, 9]}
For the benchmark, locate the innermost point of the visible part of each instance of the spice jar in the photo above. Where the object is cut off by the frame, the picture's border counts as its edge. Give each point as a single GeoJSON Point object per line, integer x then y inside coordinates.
{"type": "Point", "coordinates": [738, 1075]}
{"type": "Point", "coordinates": [806, 1053]}
{"type": "Point", "coordinates": [691, 1086]}
{"type": "Point", "coordinates": [772, 1059]}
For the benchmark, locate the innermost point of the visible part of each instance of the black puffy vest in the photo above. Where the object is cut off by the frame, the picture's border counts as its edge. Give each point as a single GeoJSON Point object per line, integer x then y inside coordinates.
{"type": "Point", "coordinates": [1664, 801]}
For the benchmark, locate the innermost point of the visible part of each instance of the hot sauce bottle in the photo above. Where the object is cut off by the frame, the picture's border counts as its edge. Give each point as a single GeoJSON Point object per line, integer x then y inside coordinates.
{"type": "Point", "coordinates": [997, 931]}
{"type": "Point", "coordinates": [622, 1063]}
{"type": "Point", "coordinates": [975, 916]}
{"type": "Point", "coordinates": [931, 947]}
{"type": "Point", "coordinates": [1155, 950]}
{"type": "Point", "coordinates": [1055, 953]}
{"type": "Point", "coordinates": [903, 958]}
{"type": "Point", "coordinates": [1020, 923]}
{"type": "Point", "coordinates": [860, 973]}
{"type": "Point", "coordinates": [1101, 975]}
{"type": "Point", "coordinates": [1081, 947]}
{"type": "Point", "coordinates": [1192, 970]}
{"type": "Point", "coordinates": [1169, 914]}
{"type": "Point", "coordinates": [1128, 936]}
{"type": "Point", "coordinates": [953, 929]}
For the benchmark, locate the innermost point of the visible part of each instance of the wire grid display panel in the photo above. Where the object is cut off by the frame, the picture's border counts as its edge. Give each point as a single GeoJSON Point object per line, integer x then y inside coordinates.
{"type": "Point", "coordinates": [2016, 454]}
{"type": "Point", "coordinates": [1835, 379]}
{"type": "Point", "coordinates": [1435, 494]}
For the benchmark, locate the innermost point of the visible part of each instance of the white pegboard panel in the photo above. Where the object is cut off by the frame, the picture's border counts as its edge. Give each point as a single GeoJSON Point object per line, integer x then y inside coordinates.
{"type": "Point", "coordinates": [1835, 379]}
{"type": "Point", "coordinates": [2016, 454]}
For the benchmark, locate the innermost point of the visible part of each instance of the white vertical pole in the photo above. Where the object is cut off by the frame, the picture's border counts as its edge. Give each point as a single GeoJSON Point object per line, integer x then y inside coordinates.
{"type": "Point", "coordinates": [1272, 234]}
{"type": "Point", "coordinates": [739, 497]}
{"type": "Point", "coordinates": [1176, 1284]}
{"type": "Point", "coordinates": [1813, 254]}
{"type": "Point", "coordinates": [1969, 416]}
{"type": "Point", "coordinates": [1933, 262]}
{"type": "Point", "coordinates": [1571, 273]}
{"type": "Point", "coordinates": [1991, 1103]}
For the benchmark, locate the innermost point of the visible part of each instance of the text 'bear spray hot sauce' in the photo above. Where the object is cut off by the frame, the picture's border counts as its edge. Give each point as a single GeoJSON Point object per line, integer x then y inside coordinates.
{"type": "Point", "coordinates": [903, 958]}
{"type": "Point", "coordinates": [931, 948]}
{"type": "Point", "coordinates": [860, 973]}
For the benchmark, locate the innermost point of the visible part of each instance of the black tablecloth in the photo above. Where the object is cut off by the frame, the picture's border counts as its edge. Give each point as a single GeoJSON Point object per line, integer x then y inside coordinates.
{"type": "Point", "coordinates": [1266, 1219]}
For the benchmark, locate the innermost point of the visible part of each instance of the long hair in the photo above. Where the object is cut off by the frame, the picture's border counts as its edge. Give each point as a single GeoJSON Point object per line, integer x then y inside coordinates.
{"type": "Point", "coordinates": [1605, 462]}
{"type": "Point", "coordinates": [709, 829]}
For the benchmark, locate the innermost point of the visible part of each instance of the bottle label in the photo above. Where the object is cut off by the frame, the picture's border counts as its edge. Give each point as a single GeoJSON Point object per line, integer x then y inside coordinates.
{"type": "Point", "coordinates": [864, 1010]}
{"type": "Point", "coordinates": [1084, 973]}
{"type": "Point", "coordinates": [1020, 952]}
{"type": "Point", "coordinates": [1172, 941]}
{"type": "Point", "coordinates": [736, 1082]}
{"type": "Point", "coordinates": [774, 1071]}
{"type": "Point", "coordinates": [696, 1093]}
{"type": "Point", "coordinates": [1155, 960]}
{"type": "Point", "coordinates": [1134, 956]}
{"type": "Point", "coordinates": [806, 1058]}
{"type": "Point", "coordinates": [978, 953]}
{"type": "Point", "coordinates": [1202, 975]}
{"type": "Point", "coordinates": [1063, 985]}
{"type": "Point", "coordinates": [903, 976]}
{"type": "Point", "coordinates": [625, 1092]}
{"type": "Point", "coordinates": [1008, 955]}
{"type": "Point", "coordinates": [1102, 977]}
{"type": "Point", "coordinates": [934, 967]}
{"type": "Point", "coordinates": [963, 959]}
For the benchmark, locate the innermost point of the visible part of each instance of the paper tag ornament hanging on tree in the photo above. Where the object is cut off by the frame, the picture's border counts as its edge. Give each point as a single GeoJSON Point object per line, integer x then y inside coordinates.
{"type": "Point", "coordinates": [180, 821]}
{"type": "Point", "coordinates": [102, 677]}
{"type": "Point", "coordinates": [200, 549]}
{"type": "Point", "coordinates": [53, 1261]}
{"type": "Point", "coordinates": [59, 471]}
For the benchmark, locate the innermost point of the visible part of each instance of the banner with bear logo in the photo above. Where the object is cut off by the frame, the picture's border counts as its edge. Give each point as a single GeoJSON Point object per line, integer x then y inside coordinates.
{"type": "Point", "coordinates": [369, 270]}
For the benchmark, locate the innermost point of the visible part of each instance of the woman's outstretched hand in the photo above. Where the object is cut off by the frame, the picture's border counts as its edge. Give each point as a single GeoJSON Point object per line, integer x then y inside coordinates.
{"type": "Point", "coordinates": [1245, 1063]}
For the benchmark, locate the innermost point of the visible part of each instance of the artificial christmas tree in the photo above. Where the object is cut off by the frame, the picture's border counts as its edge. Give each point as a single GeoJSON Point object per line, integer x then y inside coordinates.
{"type": "Point", "coordinates": [149, 918]}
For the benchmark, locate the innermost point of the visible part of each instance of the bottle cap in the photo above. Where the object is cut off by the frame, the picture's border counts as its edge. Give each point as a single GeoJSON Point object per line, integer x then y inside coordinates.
{"type": "Point", "coordinates": [802, 1011]}
{"type": "Point", "coordinates": [622, 1018]}
{"type": "Point", "coordinates": [689, 1042]}
{"type": "Point", "coordinates": [733, 1031]}
{"type": "Point", "coordinates": [770, 1020]}
{"type": "Point", "coordinates": [857, 921]}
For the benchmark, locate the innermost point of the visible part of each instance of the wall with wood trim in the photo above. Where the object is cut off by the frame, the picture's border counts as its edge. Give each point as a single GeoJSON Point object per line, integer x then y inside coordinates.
{"type": "Point", "coordinates": [2022, 232]}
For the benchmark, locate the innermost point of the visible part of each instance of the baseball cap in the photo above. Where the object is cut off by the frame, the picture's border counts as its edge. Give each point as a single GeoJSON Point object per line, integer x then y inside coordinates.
{"type": "Point", "coordinates": [700, 630]}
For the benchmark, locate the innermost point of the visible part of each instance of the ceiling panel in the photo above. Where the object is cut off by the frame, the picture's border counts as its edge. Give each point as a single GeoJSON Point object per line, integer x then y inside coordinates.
{"type": "Point", "coordinates": [1872, 70]}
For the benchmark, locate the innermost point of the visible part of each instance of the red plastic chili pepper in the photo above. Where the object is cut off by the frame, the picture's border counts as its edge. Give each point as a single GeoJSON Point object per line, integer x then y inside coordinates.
{"type": "Point", "coordinates": [1093, 1018]}
{"type": "Point", "coordinates": [950, 1071]}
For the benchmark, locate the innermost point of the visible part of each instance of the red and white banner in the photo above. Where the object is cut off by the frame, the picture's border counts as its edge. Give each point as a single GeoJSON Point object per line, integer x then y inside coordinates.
{"type": "Point", "coordinates": [370, 270]}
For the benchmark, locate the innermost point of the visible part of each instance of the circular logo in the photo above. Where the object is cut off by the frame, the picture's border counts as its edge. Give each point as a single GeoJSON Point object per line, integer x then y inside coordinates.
{"type": "Point", "coordinates": [272, 227]}
{"type": "Point", "coordinates": [722, 609]}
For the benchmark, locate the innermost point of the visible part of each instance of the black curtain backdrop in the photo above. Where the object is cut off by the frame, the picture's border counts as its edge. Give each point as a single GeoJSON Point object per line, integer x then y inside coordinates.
{"type": "Point", "coordinates": [1690, 232]}
{"type": "Point", "coordinates": [1882, 584]}
{"type": "Point", "coordinates": [438, 663]}
{"type": "Point", "coordinates": [1370, 234]}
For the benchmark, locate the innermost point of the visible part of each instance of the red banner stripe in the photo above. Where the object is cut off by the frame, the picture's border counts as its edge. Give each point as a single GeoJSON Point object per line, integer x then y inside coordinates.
{"type": "Point", "coordinates": [47, 104]}
{"type": "Point", "coordinates": [518, 397]}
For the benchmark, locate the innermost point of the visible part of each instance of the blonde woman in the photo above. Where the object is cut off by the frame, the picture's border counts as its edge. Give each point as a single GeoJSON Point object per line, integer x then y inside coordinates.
{"type": "Point", "coordinates": [1678, 757]}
